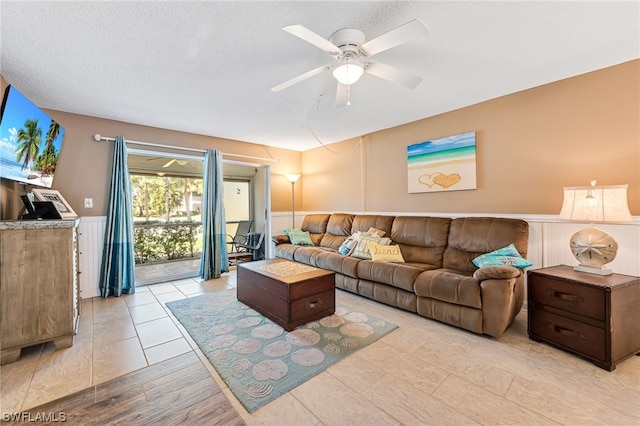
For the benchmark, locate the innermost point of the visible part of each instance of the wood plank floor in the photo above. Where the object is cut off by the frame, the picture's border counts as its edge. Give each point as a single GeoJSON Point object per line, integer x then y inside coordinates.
{"type": "Point", "coordinates": [171, 392]}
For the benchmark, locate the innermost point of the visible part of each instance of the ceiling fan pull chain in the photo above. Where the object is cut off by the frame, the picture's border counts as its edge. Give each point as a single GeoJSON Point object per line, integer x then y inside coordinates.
{"type": "Point", "coordinates": [349, 95]}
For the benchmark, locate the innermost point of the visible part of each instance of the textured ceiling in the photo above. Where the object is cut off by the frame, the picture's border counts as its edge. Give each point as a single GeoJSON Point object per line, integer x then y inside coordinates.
{"type": "Point", "coordinates": [207, 67]}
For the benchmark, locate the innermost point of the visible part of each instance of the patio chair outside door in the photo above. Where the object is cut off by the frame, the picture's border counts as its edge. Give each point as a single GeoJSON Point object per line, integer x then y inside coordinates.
{"type": "Point", "coordinates": [254, 245]}
{"type": "Point", "coordinates": [240, 237]}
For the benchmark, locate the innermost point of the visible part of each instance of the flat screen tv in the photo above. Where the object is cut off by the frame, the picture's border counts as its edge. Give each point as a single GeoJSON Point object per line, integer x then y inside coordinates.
{"type": "Point", "coordinates": [30, 141]}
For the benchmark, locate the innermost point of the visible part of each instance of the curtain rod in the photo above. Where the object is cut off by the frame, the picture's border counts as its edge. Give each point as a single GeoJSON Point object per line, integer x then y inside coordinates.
{"type": "Point", "coordinates": [97, 137]}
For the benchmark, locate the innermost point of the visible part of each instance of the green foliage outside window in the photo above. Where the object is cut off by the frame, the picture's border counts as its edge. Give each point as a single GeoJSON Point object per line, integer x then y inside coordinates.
{"type": "Point", "coordinates": [155, 241]}
{"type": "Point", "coordinates": [165, 227]}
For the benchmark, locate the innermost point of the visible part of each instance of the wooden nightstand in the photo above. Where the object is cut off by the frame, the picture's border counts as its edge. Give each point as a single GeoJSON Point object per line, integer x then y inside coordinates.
{"type": "Point", "coordinates": [595, 317]}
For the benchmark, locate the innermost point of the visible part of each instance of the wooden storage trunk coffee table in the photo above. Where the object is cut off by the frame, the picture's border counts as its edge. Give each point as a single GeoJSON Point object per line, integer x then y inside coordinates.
{"type": "Point", "coordinates": [286, 292]}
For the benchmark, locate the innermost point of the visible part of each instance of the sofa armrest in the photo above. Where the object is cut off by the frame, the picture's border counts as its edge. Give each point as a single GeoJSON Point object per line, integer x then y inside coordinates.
{"type": "Point", "coordinates": [498, 272]}
{"type": "Point", "coordinates": [502, 289]}
{"type": "Point", "coordinates": [502, 299]}
{"type": "Point", "coordinates": [280, 239]}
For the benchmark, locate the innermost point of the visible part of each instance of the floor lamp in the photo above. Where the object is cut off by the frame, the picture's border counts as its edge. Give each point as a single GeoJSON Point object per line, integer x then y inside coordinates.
{"type": "Point", "coordinates": [293, 178]}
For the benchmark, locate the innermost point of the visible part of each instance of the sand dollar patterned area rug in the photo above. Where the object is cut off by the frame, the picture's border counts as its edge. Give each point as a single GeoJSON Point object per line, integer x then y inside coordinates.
{"type": "Point", "coordinates": [261, 361]}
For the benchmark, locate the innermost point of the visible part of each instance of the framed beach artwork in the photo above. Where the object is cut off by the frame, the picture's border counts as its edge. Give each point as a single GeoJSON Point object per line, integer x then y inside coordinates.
{"type": "Point", "coordinates": [61, 205]}
{"type": "Point", "coordinates": [445, 164]}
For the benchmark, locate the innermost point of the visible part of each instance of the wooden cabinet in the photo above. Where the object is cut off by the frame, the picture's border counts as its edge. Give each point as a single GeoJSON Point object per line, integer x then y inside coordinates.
{"type": "Point", "coordinates": [39, 295]}
{"type": "Point", "coordinates": [596, 317]}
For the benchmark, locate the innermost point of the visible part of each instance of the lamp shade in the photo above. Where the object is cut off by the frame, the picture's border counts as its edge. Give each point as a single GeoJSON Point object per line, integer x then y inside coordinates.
{"type": "Point", "coordinates": [293, 177]}
{"type": "Point", "coordinates": [603, 204]}
{"type": "Point", "coordinates": [348, 71]}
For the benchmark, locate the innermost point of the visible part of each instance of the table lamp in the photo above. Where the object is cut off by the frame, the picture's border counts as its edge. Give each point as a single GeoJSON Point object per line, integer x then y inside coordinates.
{"type": "Point", "coordinates": [593, 247]}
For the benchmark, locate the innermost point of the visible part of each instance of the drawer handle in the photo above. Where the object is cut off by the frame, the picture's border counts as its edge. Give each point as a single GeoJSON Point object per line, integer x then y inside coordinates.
{"type": "Point", "coordinates": [312, 305]}
{"type": "Point", "coordinates": [565, 296]}
{"type": "Point", "coordinates": [567, 332]}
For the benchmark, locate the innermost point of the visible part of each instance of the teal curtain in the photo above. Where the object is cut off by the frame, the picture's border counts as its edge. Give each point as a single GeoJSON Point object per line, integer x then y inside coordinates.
{"type": "Point", "coordinates": [117, 272]}
{"type": "Point", "coordinates": [214, 258]}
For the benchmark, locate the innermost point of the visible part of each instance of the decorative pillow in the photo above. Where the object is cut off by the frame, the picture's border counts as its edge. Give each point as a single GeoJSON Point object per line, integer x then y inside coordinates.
{"type": "Point", "coordinates": [349, 244]}
{"type": "Point", "coordinates": [361, 250]}
{"type": "Point", "coordinates": [508, 255]}
{"type": "Point", "coordinates": [376, 231]}
{"type": "Point", "coordinates": [299, 237]}
{"type": "Point", "coordinates": [385, 253]}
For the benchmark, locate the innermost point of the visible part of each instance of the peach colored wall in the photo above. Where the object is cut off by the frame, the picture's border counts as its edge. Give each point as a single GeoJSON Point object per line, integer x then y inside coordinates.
{"type": "Point", "coordinates": [331, 179]}
{"type": "Point", "coordinates": [529, 145]}
{"type": "Point", "coordinates": [84, 167]}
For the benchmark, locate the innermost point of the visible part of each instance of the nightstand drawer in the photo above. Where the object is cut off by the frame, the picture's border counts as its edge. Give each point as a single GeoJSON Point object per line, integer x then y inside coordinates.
{"type": "Point", "coordinates": [568, 333]}
{"type": "Point", "coordinates": [571, 297]}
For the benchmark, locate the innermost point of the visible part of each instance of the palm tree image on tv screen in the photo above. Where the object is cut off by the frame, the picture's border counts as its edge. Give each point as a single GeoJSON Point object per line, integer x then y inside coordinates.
{"type": "Point", "coordinates": [30, 141]}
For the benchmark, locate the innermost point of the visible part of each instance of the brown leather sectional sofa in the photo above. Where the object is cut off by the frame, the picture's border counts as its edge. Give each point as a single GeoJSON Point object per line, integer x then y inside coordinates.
{"type": "Point", "coordinates": [438, 279]}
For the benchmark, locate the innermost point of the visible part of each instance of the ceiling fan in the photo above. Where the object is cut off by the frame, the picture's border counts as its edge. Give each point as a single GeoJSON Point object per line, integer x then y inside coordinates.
{"type": "Point", "coordinates": [170, 162]}
{"type": "Point", "coordinates": [175, 160]}
{"type": "Point", "coordinates": [350, 50]}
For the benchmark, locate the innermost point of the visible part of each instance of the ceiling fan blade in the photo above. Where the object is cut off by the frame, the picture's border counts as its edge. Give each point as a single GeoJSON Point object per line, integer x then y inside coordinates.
{"type": "Point", "coordinates": [299, 78]}
{"type": "Point", "coordinates": [168, 163]}
{"type": "Point", "coordinates": [403, 34]}
{"type": "Point", "coordinates": [342, 95]}
{"type": "Point", "coordinates": [393, 74]}
{"type": "Point", "coordinates": [309, 36]}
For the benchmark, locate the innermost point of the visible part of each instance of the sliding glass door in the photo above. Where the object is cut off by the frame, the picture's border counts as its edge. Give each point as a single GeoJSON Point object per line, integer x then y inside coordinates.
{"type": "Point", "coordinates": [237, 202]}
{"type": "Point", "coordinates": [167, 196]}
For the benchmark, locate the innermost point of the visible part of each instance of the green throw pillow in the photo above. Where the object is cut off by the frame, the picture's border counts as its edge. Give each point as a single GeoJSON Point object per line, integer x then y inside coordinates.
{"type": "Point", "coordinates": [508, 255]}
{"type": "Point", "coordinates": [299, 237]}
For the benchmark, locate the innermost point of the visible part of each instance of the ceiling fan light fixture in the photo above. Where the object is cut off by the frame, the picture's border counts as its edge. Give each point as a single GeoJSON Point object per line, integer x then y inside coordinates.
{"type": "Point", "coordinates": [348, 71]}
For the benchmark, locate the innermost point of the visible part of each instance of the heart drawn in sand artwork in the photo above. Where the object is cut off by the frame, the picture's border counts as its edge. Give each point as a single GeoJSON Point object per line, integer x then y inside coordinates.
{"type": "Point", "coordinates": [444, 164]}
{"type": "Point", "coordinates": [439, 178]}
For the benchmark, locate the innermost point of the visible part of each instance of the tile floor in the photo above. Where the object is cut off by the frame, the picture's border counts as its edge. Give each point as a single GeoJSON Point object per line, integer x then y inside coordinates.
{"type": "Point", "coordinates": [424, 372]}
{"type": "Point", "coordinates": [158, 272]}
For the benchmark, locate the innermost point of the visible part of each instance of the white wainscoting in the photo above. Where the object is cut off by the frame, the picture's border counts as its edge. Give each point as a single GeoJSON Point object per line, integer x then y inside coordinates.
{"type": "Point", "coordinates": [548, 242]}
